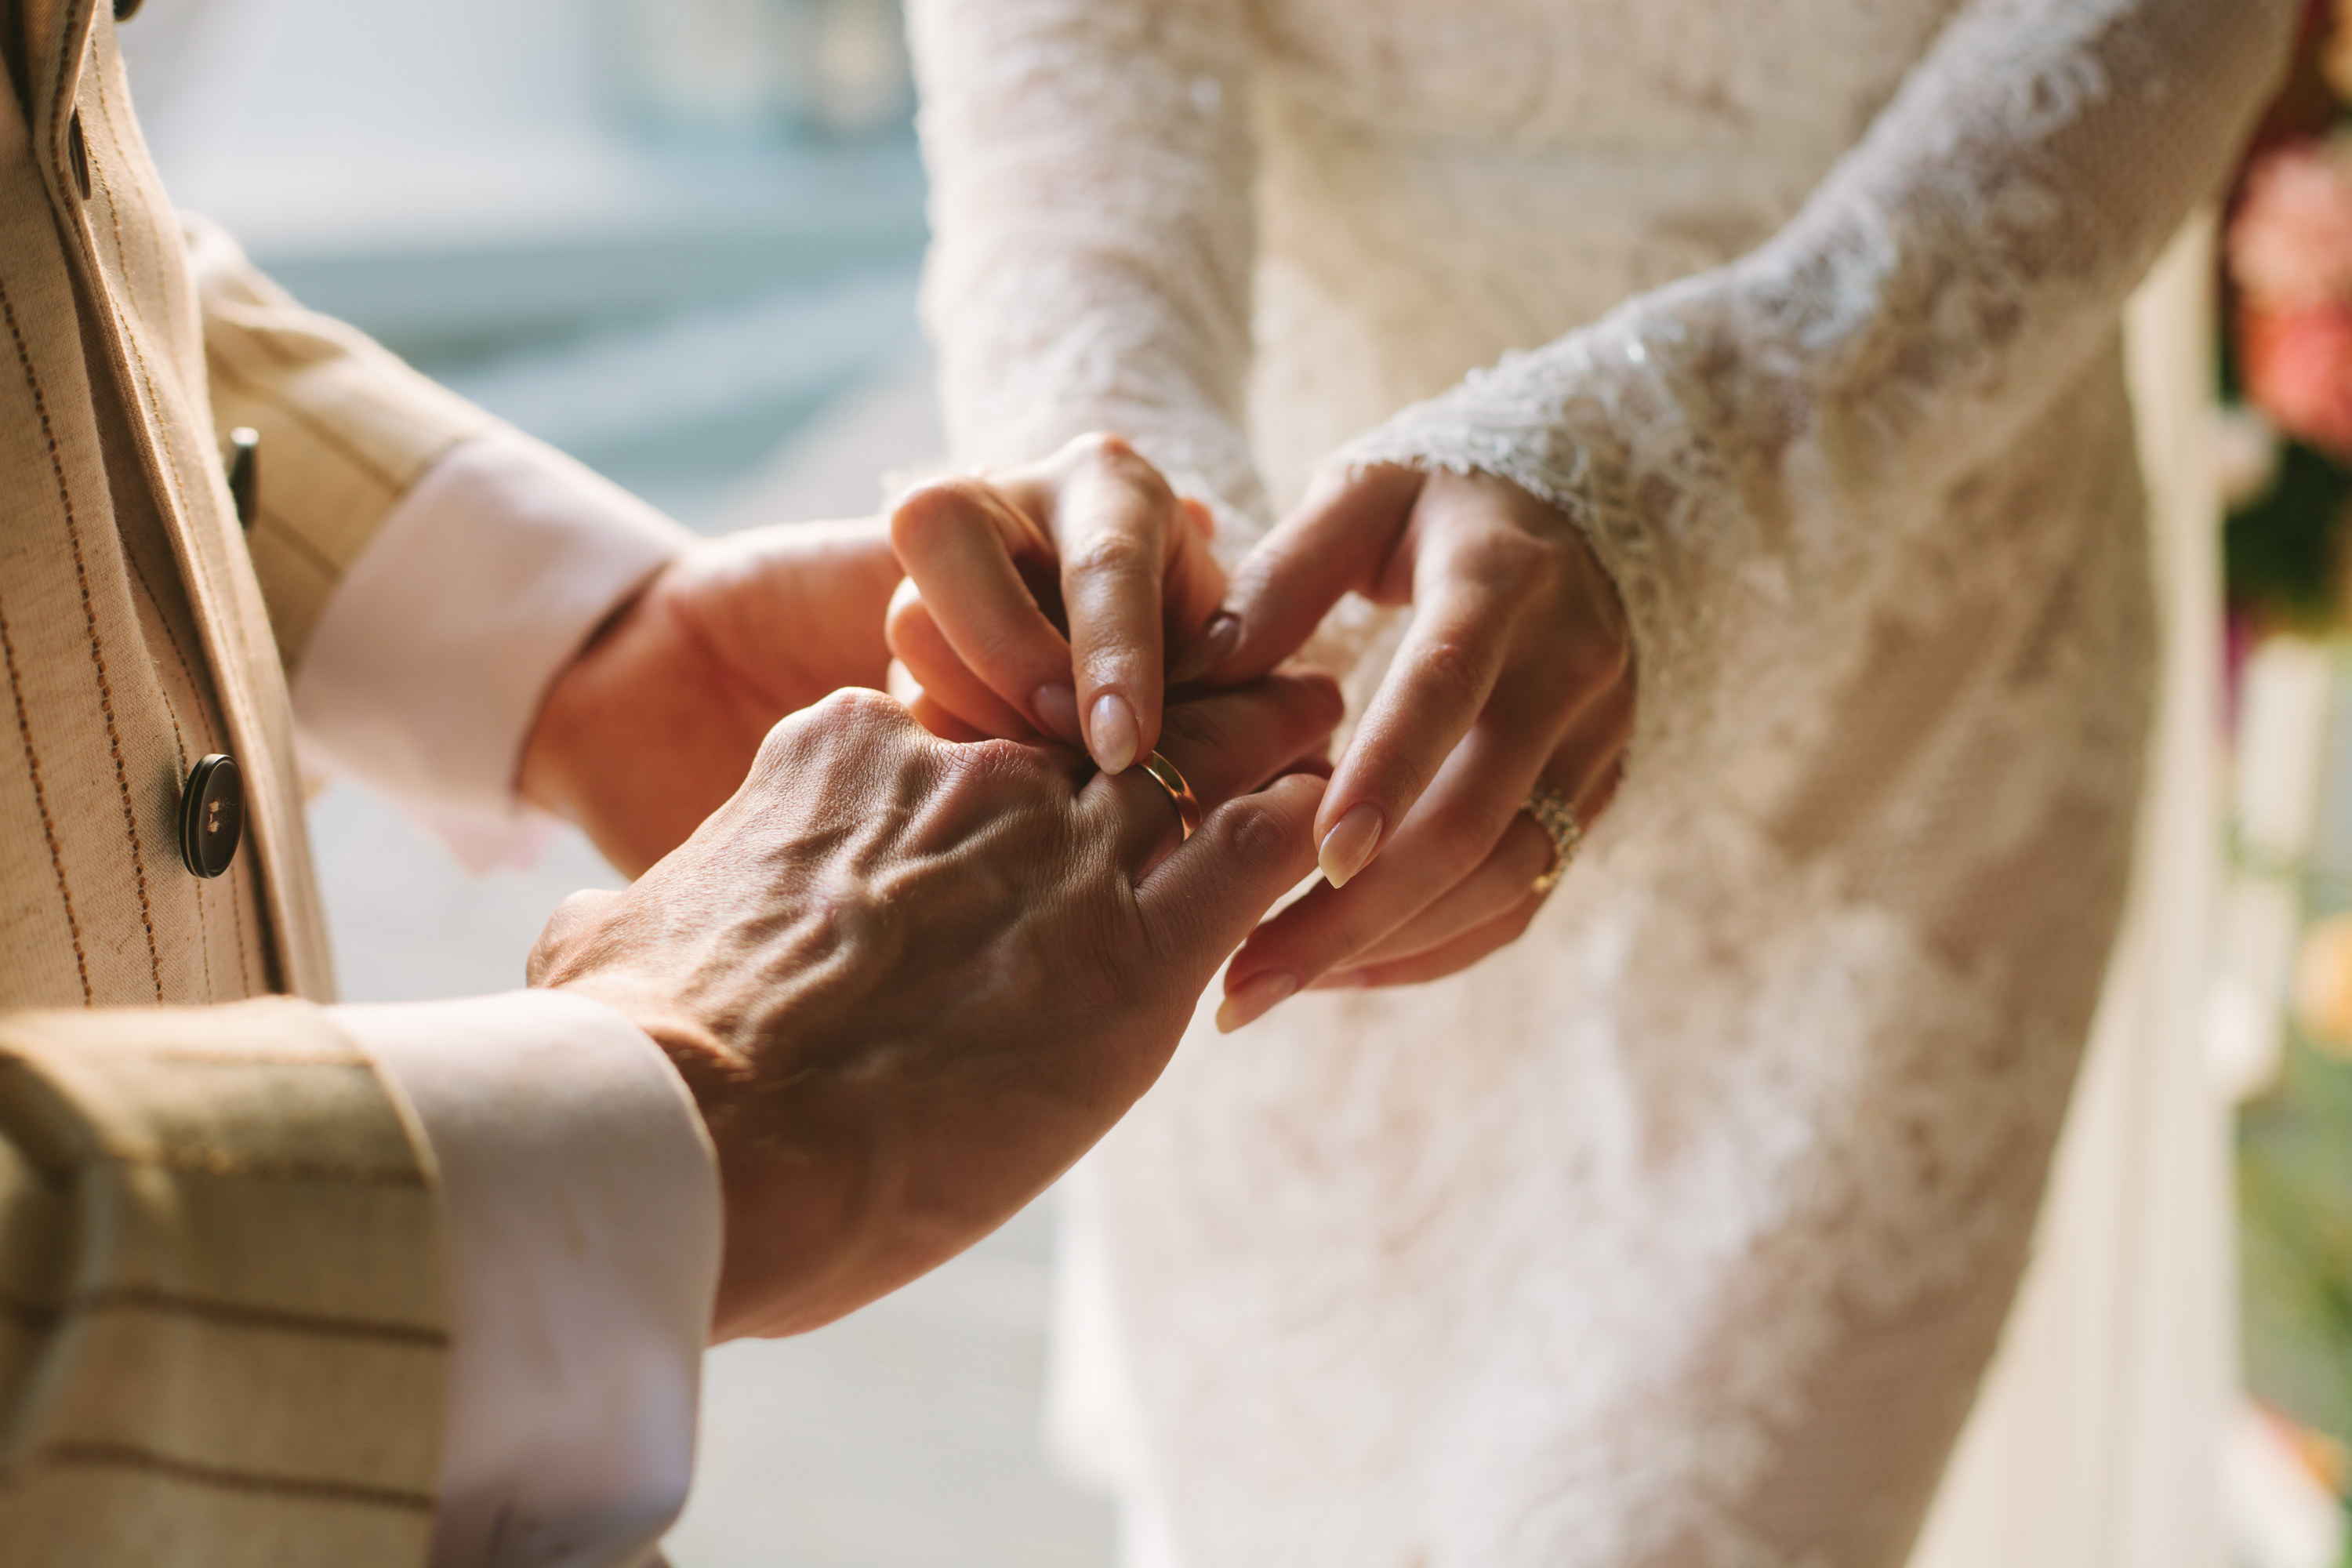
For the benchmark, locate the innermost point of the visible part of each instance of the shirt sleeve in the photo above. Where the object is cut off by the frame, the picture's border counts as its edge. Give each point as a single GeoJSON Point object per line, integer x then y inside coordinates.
{"type": "Point", "coordinates": [430, 658]}
{"type": "Point", "coordinates": [583, 1210]}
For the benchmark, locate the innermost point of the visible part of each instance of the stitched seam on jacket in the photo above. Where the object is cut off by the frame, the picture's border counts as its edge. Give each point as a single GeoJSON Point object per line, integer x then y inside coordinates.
{"type": "Point", "coordinates": [97, 644]}
{"type": "Point", "coordinates": [220, 1314]}
{"type": "Point", "coordinates": [166, 293]}
{"type": "Point", "coordinates": [180, 482]}
{"type": "Point", "coordinates": [127, 1457]}
{"type": "Point", "coordinates": [180, 745]}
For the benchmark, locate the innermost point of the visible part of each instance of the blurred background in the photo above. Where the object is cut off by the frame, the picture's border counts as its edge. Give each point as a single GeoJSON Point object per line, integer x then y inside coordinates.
{"type": "Point", "coordinates": [679, 238]}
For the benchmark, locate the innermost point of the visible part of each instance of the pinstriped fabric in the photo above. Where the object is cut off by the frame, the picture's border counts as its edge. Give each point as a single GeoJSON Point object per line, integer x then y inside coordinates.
{"type": "Point", "coordinates": [345, 429]}
{"type": "Point", "coordinates": [276, 1386]}
{"type": "Point", "coordinates": [222, 1313]}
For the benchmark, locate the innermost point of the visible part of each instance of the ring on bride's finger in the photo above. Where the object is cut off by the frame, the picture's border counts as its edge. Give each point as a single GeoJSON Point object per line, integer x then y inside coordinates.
{"type": "Point", "coordinates": [1557, 817]}
{"type": "Point", "coordinates": [1188, 804]}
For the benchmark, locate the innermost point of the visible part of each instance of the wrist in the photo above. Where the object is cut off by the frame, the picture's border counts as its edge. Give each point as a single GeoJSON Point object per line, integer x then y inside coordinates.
{"type": "Point", "coordinates": [795, 1178]}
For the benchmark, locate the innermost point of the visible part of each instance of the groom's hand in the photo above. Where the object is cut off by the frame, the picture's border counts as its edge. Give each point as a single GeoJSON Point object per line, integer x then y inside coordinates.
{"type": "Point", "coordinates": [909, 981]}
{"type": "Point", "coordinates": [656, 720]}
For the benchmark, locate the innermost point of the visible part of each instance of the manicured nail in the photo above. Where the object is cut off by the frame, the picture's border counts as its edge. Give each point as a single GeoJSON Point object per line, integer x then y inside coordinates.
{"type": "Point", "coordinates": [1113, 732]}
{"type": "Point", "coordinates": [1056, 708]}
{"type": "Point", "coordinates": [1210, 649]}
{"type": "Point", "coordinates": [1350, 843]}
{"type": "Point", "coordinates": [1254, 997]}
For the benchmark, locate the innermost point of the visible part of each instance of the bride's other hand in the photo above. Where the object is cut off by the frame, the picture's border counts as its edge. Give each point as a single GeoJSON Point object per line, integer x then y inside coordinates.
{"type": "Point", "coordinates": [1517, 669]}
{"type": "Point", "coordinates": [1041, 599]}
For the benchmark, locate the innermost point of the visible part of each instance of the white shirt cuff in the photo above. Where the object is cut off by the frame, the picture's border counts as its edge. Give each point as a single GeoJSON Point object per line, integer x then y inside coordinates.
{"type": "Point", "coordinates": [585, 1228]}
{"type": "Point", "coordinates": [429, 662]}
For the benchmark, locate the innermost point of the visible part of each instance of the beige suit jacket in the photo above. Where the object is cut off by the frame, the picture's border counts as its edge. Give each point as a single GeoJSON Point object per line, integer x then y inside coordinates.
{"type": "Point", "coordinates": [222, 1291]}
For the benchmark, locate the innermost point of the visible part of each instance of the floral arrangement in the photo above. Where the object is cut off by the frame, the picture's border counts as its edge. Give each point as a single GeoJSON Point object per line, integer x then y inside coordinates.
{"type": "Point", "coordinates": [2286, 473]}
{"type": "Point", "coordinates": [2286, 448]}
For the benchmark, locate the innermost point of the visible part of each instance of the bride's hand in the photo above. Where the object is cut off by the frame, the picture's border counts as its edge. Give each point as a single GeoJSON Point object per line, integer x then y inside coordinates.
{"type": "Point", "coordinates": [1043, 599]}
{"type": "Point", "coordinates": [1518, 668]}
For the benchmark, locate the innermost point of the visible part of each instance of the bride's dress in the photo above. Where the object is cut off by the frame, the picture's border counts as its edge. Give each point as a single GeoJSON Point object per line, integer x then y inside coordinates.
{"type": "Point", "coordinates": [1679, 1232]}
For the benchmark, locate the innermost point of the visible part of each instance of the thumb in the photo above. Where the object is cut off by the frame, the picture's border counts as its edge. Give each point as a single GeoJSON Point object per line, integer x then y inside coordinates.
{"type": "Point", "coordinates": [1339, 538]}
{"type": "Point", "coordinates": [1212, 891]}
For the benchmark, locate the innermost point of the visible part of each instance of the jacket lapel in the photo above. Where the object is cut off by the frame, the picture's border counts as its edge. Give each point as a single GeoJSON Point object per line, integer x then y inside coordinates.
{"type": "Point", "coordinates": [136, 285]}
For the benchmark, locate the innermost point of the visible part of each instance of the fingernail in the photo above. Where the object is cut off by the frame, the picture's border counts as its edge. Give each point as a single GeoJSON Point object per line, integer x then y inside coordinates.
{"type": "Point", "coordinates": [1113, 732]}
{"type": "Point", "coordinates": [1216, 642]}
{"type": "Point", "coordinates": [1056, 708]}
{"type": "Point", "coordinates": [1350, 843]}
{"type": "Point", "coordinates": [1254, 997]}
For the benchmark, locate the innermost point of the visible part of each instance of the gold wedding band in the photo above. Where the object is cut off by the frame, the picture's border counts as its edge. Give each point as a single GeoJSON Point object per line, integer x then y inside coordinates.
{"type": "Point", "coordinates": [1557, 818]}
{"type": "Point", "coordinates": [1188, 804]}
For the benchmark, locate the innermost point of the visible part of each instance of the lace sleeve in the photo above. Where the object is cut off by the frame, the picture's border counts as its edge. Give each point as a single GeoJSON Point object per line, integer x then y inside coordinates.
{"type": "Point", "coordinates": [1743, 447]}
{"type": "Point", "coordinates": [1090, 165]}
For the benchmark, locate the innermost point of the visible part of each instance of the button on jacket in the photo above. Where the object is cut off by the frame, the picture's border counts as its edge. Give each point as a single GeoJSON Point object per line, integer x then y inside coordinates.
{"type": "Point", "coordinates": [177, 1247]}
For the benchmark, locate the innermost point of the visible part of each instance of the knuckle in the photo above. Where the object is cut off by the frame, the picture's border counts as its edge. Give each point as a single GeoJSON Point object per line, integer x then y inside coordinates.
{"type": "Point", "coordinates": [1114, 457]}
{"type": "Point", "coordinates": [992, 766]}
{"type": "Point", "coordinates": [554, 957]}
{"type": "Point", "coordinates": [936, 508]}
{"type": "Point", "coordinates": [1452, 669]}
{"type": "Point", "coordinates": [1113, 553]}
{"type": "Point", "coordinates": [1514, 565]}
{"type": "Point", "coordinates": [1260, 834]}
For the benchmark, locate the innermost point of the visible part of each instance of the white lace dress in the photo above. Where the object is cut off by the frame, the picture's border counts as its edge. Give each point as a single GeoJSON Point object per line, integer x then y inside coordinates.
{"type": "Point", "coordinates": [1679, 1232]}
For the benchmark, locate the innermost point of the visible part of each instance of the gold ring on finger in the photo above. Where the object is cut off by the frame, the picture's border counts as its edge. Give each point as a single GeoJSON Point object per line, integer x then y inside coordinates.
{"type": "Point", "coordinates": [1558, 819]}
{"type": "Point", "coordinates": [1188, 804]}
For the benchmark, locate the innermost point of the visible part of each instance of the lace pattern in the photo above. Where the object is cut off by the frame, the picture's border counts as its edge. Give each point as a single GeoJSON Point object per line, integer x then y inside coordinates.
{"type": "Point", "coordinates": [1678, 1233]}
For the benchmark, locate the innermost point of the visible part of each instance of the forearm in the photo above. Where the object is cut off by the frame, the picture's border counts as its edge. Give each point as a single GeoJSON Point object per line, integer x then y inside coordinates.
{"type": "Point", "coordinates": [432, 657]}
{"type": "Point", "coordinates": [429, 1267]}
{"type": "Point", "coordinates": [1091, 168]}
{"type": "Point", "coordinates": [346, 429]}
{"type": "Point", "coordinates": [1754, 441]}
{"type": "Point", "coordinates": [221, 1284]}
{"type": "Point", "coordinates": [583, 1233]}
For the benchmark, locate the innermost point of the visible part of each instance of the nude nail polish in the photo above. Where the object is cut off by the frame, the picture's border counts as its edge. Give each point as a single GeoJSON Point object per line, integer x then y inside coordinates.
{"type": "Point", "coordinates": [1113, 733]}
{"type": "Point", "coordinates": [1056, 709]}
{"type": "Point", "coordinates": [1216, 642]}
{"type": "Point", "coordinates": [1350, 844]}
{"type": "Point", "coordinates": [1253, 998]}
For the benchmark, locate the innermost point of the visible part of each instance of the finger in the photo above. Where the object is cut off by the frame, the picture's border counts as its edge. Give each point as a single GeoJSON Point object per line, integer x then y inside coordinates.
{"type": "Point", "coordinates": [1119, 528]}
{"type": "Point", "coordinates": [1194, 587]}
{"type": "Point", "coordinates": [915, 637]}
{"type": "Point", "coordinates": [1225, 746]}
{"type": "Point", "coordinates": [1203, 898]}
{"type": "Point", "coordinates": [1477, 796]}
{"type": "Point", "coordinates": [963, 547]}
{"type": "Point", "coordinates": [1500, 881]}
{"type": "Point", "coordinates": [1585, 768]}
{"type": "Point", "coordinates": [1473, 586]}
{"type": "Point", "coordinates": [1338, 539]}
{"type": "Point", "coordinates": [1437, 962]}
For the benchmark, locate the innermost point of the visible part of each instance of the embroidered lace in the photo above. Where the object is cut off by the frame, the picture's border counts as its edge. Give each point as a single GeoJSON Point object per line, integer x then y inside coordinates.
{"type": "Point", "coordinates": [1679, 1232]}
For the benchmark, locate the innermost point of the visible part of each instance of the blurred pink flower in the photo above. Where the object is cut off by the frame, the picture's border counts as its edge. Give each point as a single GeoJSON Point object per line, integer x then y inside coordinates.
{"type": "Point", "coordinates": [2291, 241]}
{"type": "Point", "coordinates": [2298, 370]}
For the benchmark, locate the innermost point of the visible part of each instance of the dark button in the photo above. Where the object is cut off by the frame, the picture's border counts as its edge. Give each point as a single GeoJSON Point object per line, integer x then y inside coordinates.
{"type": "Point", "coordinates": [126, 9]}
{"type": "Point", "coordinates": [244, 478]}
{"type": "Point", "coordinates": [78, 151]}
{"type": "Point", "coordinates": [211, 816]}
